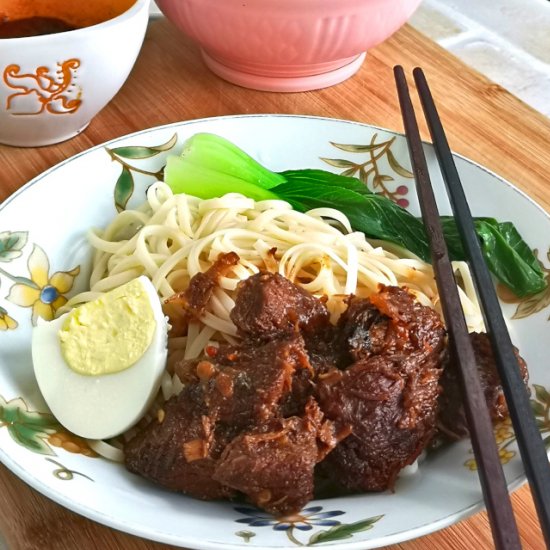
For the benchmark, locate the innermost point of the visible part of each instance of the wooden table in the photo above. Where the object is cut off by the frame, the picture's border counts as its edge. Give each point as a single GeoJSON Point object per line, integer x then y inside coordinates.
{"type": "Point", "coordinates": [170, 83]}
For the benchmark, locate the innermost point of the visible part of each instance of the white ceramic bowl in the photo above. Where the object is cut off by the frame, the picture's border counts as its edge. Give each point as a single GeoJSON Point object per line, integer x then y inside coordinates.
{"type": "Point", "coordinates": [51, 86]}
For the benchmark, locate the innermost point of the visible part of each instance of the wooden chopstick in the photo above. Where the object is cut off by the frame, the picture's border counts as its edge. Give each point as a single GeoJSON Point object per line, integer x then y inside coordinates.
{"type": "Point", "coordinates": [531, 446]}
{"type": "Point", "coordinates": [493, 483]}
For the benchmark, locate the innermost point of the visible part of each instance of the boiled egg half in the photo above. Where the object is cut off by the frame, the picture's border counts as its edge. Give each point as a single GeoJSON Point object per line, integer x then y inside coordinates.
{"type": "Point", "coordinates": [99, 366]}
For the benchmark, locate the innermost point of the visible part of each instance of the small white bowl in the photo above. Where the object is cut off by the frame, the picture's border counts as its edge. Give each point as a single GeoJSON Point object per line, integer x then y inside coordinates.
{"type": "Point", "coordinates": [51, 86]}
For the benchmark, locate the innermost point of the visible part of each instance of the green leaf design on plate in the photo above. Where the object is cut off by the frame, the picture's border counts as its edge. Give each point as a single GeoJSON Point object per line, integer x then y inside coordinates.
{"type": "Point", "coordinates": [396, 167]}
{"type": "Point", "coordinates": [538, 408]}
{"type": "Point", "coordinates": [64, 474]}
{"type": "Point", "coordinates": [142, 152]}
{"type": "Point", "coordinates": [343, 531]}
{"type": "Point", "coordinates": [350, 148]}
{"type": "Point", "coordinates": [24, 281]}
{"type": "Point", "coordinates": [245, 535]}
{"type": "Point", "coordinates": [12, 244]}
{"type": "Point", "coordinates": [369, 169]}
{"type": "Point", "coordinates": [28, 428]}
{"type": "Point", "coordinates": [533, 304]}
{"type": "Point", "coordinates": [124, 188]}
{"type": "Point", "coordinates": [542, 394]}
{"type": "Point", "coordinates": [30, 439]}
{"type": "Point", "coordinates": [351, 171]}
{"type": "Point", "coordinates": [340, 163]}
{"type": "Point", "coordinates": [541, 408]}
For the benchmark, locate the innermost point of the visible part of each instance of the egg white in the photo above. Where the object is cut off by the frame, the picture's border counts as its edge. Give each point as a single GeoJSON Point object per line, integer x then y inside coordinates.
{"type": "Point", "coordinates": [99, 407]}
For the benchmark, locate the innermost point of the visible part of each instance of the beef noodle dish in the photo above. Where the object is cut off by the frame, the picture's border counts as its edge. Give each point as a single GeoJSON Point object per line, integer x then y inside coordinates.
{"type": "Point", "coordinates": [301, 355]}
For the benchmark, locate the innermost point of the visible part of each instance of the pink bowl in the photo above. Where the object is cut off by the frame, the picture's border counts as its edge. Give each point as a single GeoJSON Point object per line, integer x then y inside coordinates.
{"type": "Point", "coordinates": [287, 45]}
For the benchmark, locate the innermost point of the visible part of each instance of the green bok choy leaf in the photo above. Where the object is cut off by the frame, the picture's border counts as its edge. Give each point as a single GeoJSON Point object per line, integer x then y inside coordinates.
{"type": "Point", "coordinates": [210, 166]}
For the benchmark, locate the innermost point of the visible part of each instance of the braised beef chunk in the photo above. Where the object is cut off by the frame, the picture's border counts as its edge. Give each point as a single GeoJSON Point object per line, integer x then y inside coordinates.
{"type": "Point", "coordinates": [392, 417]}
{"type": "Point", "coordinates": [389, 399]}
{"type": "Point", "coordinates": [361, 331]}
{"type": "Point", "coordinates": [240, 388]}
{"type": "Point", "coordinates": [179, 449]}
{"type": "Point", "coordinates": [296, 395]}
{"type": "Point", "coordinates": [451, 421]}
{"type": "Point", "coordinates": [273, 465]}
{"type": "Point", "coordinates": [251, 382]}
{"type": "Point", "coordinates": [323, 354]}
{"type": "Point", "coordinates": [268, 305]}
{"type": "Point", "coordinates": [197, 295]}
{"type": "Point", "coordinates": [389, 322]}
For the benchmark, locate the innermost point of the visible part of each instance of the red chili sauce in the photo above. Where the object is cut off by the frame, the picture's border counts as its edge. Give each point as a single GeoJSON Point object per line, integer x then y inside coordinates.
{"type": "Point", "coordinates": [32, 26]}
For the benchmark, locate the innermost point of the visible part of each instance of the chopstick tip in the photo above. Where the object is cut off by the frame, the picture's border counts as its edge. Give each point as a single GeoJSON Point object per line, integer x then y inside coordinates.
{"type": "Point", "coordinates": [420, 80]}
{"type": "Point", "coordinates": [398, 69]}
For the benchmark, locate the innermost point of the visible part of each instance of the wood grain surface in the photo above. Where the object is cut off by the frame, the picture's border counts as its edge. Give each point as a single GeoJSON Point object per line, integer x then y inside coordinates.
{"type": "Point", "coordinates": [170, 83]}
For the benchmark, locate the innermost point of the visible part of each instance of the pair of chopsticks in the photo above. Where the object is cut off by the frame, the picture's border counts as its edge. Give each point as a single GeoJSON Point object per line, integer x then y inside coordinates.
{"type": "Point", "coordinates": [532, 450]}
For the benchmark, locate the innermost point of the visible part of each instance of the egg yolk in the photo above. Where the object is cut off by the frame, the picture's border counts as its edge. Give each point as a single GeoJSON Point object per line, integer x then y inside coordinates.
{"type": "Point", "coordinates": [109, 334]}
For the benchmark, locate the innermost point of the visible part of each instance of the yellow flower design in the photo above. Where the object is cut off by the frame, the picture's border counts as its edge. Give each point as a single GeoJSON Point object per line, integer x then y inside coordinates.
{"type": "Point", "coordinates": [504, 435]}
{"type": "Point", "coordinates": [43, 293]}
{"type": "Point", "coordinates": [71, 443]}
{"type": "Point", "coordinates": [503, 432]}
{"type": "Point", "coordinates": [6, 322]}
{"type": "Point", "coordinates": [505, 456]}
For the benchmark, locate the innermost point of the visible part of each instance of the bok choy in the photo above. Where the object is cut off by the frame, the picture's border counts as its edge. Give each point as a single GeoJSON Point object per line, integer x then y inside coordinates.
{"type": "Point", "coordinates": [211, 166]}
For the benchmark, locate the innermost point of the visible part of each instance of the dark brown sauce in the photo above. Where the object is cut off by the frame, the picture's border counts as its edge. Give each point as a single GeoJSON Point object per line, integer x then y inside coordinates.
{"type": "Point", "coordinates": [33, 26]}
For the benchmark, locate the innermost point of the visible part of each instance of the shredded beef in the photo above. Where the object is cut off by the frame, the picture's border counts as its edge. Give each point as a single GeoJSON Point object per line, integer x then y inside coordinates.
{"type": "Point", "coordinates": [389, 395]}
{"type": "Point", "coordinates": [274, 464]}
{"type": "Point", "coordinates": [195, 298]}
{"type": "Point", "coordinates": [389, 322]}
{"type": "Point", "coordinates": [451, 421]}
{"type": "Point", "coordinates": [243, 388]}
{"type": "Point", "coordinates": [179, 449]}
{"type": "Point", "coordinates": [357, 401]}
{"type": "Point", "coordinates": [252, 382]}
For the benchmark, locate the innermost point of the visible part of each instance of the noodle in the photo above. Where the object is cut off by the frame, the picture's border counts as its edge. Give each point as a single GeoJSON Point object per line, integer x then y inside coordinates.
{"type": "Point", "coordinates": [170, 238]}
{"type": "Point", "coordinates": [173, 237]}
